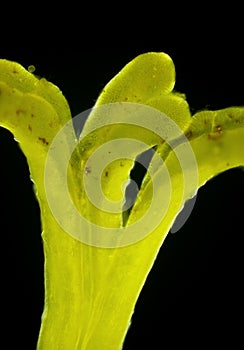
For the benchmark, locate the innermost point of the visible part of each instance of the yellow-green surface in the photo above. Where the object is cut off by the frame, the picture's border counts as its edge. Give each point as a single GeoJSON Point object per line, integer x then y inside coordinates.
{"type": "Point", "coordinates": [91, 291]}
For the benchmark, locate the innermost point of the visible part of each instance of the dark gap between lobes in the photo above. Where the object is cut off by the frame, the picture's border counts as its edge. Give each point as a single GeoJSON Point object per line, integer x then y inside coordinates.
{"type": "Point", "coordinates": [137, 175]}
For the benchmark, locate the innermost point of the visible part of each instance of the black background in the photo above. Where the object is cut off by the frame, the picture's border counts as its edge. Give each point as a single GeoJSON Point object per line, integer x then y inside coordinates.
{"type": "Point", "coordinates": [193, 295]}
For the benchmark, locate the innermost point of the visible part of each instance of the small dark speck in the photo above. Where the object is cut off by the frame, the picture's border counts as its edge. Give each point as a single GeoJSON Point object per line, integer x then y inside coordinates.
{"type": "Point", "coordinates": [43, 140]}
{"type": "Point", "coordinates": [189, 133]}
{"type": "Point", "coordinates": [15, 71]}
{"type": "Point", "coordinates": [106, 173]}
{"type": "Point", "coordinates": [19, 111]}
{"type": "Point", "coordinates": [87, 170]}
{"type": "Point", "coordinates": [218, 128]}
{"type": "Point", "coordinates": [29, 127]}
